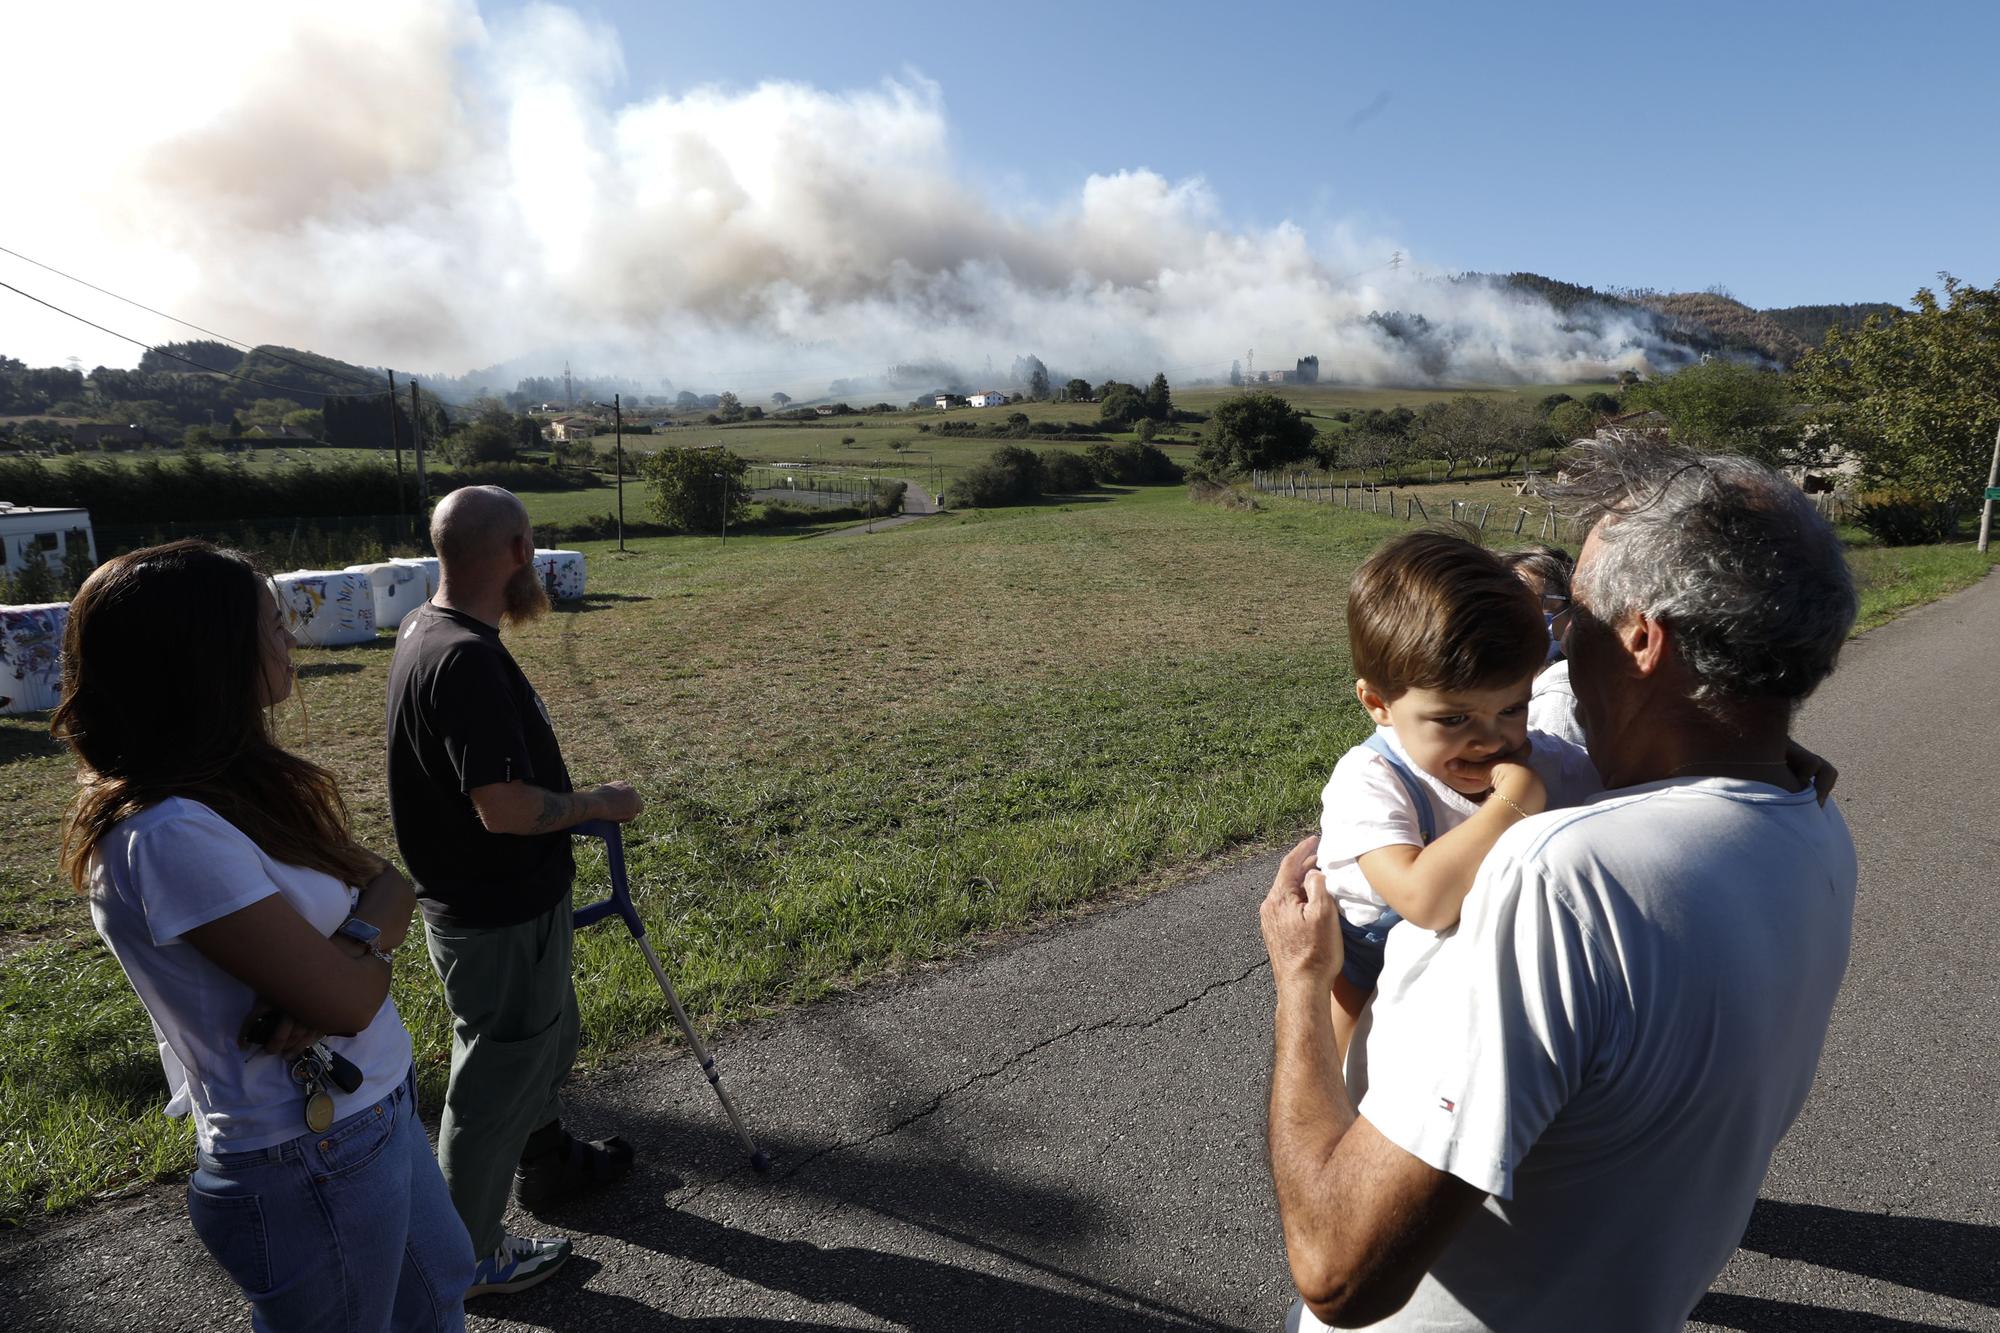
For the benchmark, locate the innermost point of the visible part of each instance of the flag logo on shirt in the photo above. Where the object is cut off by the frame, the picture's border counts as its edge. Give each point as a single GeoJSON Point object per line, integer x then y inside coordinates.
{"type": "Point", "coordinates": [1446, 1104]}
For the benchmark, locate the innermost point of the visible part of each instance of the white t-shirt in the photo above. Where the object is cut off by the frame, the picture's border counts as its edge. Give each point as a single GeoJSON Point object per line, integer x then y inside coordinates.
{"type": "Point", "coordinates": [1365, 806]}
{"type": "Point", "coordinates": [1552, 705]}
{"type": "Point", "coordinates": [178, 865]}
{"type": "Point", "coordinates": [1611, 1043]}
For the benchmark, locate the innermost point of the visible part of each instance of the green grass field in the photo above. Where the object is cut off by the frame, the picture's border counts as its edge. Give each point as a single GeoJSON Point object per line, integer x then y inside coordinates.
{"type": "Point", "coordinates": [859, 755]}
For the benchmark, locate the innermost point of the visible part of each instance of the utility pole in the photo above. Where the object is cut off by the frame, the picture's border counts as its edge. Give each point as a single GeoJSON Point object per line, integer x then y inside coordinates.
{"type": "Point", "coordinates": [417, 429]}
{"type": "Point", "coordinates": [569, 390]}
{"type": "Point", "coordinates": [396, 439]}
{"type": "Point", "coordinates": [1992, 494]}
{"type": "Point", "coordinates": [618, 429]}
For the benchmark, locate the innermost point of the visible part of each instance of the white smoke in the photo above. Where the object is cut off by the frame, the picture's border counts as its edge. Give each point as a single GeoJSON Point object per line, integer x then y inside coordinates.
{"type": "Point", "coordinates": [403, 182]}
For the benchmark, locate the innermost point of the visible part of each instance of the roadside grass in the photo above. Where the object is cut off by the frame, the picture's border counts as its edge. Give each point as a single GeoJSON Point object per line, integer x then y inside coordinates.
{"type": "Point", "coordinates": [1892, 579]}
{"type": "Point", "coordinates": [858, 756]}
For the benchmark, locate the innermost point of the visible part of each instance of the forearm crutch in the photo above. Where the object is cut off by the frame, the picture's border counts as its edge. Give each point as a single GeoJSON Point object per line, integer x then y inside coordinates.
{"type": "Point", "coordinates": [620, 903]}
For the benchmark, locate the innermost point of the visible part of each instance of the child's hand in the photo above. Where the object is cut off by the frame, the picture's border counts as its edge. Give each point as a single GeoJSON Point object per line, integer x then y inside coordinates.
{"type": "Point", "coordinates": [1809, 767]}
{"type": "Point", "coordinates": [1520, 784]}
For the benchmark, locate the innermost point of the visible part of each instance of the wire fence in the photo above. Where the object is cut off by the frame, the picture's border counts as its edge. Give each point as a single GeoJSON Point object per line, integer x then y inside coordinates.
{"type": "Point", "coordinates": [1543, 518]}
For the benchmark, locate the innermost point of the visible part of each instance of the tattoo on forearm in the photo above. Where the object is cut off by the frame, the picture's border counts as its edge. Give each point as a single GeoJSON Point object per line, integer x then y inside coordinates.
{"type": "Point", "coordinates": [560, 809]}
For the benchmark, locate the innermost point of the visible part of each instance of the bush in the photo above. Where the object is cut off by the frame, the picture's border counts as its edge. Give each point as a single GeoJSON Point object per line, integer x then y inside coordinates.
{"type": "Point", "coordinates": [513, 476]}
{"type": "Point", "coordinates": [1065, 473]}
{"type": "Point", "coordinates": [1131, 465]}
{"type": "Point", "coordinates": [1012, 475]}
{"type": "Point", "coordinates": [1902, 518]}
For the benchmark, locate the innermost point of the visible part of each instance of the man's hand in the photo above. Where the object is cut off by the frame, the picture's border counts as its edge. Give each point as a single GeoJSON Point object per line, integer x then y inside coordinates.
{"type": "Point", "coordinates": [619, 801]}
{"type": "Point", "coordinates": [1301, 923]}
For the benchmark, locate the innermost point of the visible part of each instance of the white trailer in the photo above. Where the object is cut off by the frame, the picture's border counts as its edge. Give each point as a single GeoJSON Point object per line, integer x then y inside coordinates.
{"type": "Point", "coordinates": [23, 527]}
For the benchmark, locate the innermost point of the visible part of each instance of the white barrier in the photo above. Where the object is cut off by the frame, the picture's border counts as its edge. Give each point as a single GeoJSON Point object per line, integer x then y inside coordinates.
{"type": "Point", "coordinates": [31, 656]}
{"type": "Point", "coordinates": [428, 565]}
{"type": "Point", "coordinates": [327, 607]}
{"type": "Point", "coordinates": [562, 573]}
{"type": "Point", "coordinates": [398, 589]}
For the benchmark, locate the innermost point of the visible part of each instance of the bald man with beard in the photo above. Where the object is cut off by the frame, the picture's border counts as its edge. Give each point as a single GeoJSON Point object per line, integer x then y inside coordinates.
{"type": "Point", "coordinates": [483, 805]}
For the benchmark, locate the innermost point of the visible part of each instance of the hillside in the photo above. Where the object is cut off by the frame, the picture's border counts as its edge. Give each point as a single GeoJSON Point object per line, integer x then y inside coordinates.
{"type": "Point", "coordinates": [1809, 323]}
{"type": "Point", "coordinates": [1734, 325]}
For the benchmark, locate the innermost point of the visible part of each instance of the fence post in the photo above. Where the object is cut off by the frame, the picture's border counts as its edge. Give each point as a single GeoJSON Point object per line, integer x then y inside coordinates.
{"type": "Point", "coordinates": [1519, 521]}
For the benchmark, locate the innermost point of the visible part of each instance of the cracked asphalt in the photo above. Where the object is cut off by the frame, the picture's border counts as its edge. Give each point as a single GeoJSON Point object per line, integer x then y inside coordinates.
{"type": "Point", "coordinates": [1066, 1131]}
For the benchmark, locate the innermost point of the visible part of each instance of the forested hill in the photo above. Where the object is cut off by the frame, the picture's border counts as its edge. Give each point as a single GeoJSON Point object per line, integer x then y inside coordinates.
{"type": "Point", "coordinates": [1810, 322]}
{"type": "Point", "coordinates": [1705, 321]}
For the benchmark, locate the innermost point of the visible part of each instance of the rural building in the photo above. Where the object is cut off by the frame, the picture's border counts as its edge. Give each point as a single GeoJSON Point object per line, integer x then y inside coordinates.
{"type": "Point", "coordinates": [988, 398]}
{"type": "Point", "coordinates": [97, 435]}
{"type": "Point", "coordinates": [53, 530]}
{"type": "Point", "coordinates": [943, 402]}
{"type": "Point", "coordinates": [572, 428]}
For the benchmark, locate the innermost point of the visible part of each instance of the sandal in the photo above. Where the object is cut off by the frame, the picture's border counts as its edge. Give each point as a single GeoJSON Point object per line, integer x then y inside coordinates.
{"type": "Point", "coordinates": [574, 1168]}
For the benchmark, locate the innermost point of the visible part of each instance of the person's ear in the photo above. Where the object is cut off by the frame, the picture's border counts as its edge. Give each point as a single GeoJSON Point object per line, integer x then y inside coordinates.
{"type": "Point", "coordinates": [1372, 702]}
{"type": "Point", "coordinates": [1646, 641]}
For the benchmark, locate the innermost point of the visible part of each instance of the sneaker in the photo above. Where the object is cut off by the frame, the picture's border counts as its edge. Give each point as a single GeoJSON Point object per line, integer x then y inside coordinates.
{"type": "Point", "coordinates": [519, 1263]}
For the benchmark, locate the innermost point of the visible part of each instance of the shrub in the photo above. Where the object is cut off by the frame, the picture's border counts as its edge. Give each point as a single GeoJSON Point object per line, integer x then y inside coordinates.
{"type": "Point", "coordinates": [1065, 473]}
{"type": "Point", "coordinates": [1902, 518]}
{"type": "Point", "coordinates": [1012, 475]}
{"type": "Point", "coordinates": [1131, 465]}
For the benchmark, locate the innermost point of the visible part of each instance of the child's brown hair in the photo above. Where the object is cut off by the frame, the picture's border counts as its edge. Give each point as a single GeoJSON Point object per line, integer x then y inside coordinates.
{"type": "Point", "coordinates": [1430, 611]}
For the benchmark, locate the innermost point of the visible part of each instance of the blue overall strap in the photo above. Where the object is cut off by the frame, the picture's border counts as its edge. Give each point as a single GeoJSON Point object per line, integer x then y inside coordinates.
{"type": "Point", "coordinates": [1426, 821]}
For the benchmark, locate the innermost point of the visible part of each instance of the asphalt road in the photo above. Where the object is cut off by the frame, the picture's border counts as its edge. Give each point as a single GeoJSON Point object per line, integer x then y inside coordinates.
{"type": "Point", "coordinates": [1065, 1133]}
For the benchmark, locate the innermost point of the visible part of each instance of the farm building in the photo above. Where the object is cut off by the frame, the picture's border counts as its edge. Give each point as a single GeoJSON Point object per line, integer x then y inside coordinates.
{"type": "Point", "coordinates": [988, 398]}
{"type": "Point", "coordinates": [572, 428]}
{"type": "Point", "coordinates": [53, 530]}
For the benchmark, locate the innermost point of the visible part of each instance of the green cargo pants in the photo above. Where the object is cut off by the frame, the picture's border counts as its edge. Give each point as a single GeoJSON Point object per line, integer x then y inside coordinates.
{"type": "Point", "coordinates": [513, 1040]}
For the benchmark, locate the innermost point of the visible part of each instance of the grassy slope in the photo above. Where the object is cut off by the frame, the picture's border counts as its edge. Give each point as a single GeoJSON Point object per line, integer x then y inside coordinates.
{"type": "Point", "coordinates": [859, 755]}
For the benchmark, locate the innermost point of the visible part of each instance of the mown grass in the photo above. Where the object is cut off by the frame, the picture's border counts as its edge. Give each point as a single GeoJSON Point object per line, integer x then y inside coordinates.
{"type": "Point", "coordinates": [858, 756]}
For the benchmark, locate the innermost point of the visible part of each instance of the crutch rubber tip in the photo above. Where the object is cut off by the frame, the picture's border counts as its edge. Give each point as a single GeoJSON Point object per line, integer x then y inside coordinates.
{"type": "Point", "coordinates": [760, 1161]}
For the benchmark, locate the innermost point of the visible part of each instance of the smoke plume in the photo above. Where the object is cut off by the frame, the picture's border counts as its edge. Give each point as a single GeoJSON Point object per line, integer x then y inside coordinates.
{"type": "Point", "coordinates": [404, 182]}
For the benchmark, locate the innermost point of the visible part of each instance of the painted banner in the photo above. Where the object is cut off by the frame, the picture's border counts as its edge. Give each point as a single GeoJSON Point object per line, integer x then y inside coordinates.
{"type": "Point", "coordinates": [329, 607]}
{"type": "Point", "coordinates": [31, 656]}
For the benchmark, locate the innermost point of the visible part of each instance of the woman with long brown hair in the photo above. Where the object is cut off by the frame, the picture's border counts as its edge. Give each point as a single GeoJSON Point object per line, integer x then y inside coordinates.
{"type": "Point", "coordinates": [257, 933]}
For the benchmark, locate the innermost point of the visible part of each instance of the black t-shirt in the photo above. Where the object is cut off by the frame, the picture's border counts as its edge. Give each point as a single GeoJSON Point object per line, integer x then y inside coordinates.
{"type": "Point", "coordinates": [461, 715]}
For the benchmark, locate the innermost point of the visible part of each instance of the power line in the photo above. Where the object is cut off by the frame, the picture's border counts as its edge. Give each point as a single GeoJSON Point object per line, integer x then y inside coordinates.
{"type": "Point", "coordinates": [220, 337]}
{"type": "Point", "coordinates": [212, 370]}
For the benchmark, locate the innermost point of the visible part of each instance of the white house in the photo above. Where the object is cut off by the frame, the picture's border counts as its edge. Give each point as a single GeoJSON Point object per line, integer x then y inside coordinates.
{"type": "Point", "coordinates": [943, 401]}
{"type": "Point", "coordinates": [23, 526]}
{"type": "Point", "coordinates": [572, 428]}
{"type": "Point", "coordinates": [989, 398]}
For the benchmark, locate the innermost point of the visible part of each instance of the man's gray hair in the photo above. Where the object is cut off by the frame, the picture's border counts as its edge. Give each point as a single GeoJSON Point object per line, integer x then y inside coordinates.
{"type": "Point", "coordinates": [1726, 552]}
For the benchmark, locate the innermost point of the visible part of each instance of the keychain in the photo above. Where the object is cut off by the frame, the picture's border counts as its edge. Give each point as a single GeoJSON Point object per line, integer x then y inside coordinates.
{"type": "Point", "coordinates": [309, 1072]}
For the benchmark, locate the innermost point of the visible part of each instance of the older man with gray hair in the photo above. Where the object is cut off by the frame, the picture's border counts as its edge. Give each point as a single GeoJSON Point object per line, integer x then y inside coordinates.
{"type": "Point", "coordinates": [483, 805]}
{"type": "Point", "coordinates": [1562, 1110]}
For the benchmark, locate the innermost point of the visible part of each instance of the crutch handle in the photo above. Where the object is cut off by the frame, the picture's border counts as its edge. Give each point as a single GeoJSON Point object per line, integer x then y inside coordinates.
{"type": "Point", "coordinates": [620, 901]}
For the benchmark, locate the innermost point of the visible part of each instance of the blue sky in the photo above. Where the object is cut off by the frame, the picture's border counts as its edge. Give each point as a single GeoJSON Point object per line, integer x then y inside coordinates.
{"type": "Point", "coordinates": [1790, 152]}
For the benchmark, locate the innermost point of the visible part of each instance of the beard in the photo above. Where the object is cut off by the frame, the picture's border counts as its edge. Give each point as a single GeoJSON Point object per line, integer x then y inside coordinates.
{"type": "Point", "coordinates": [526, 599]}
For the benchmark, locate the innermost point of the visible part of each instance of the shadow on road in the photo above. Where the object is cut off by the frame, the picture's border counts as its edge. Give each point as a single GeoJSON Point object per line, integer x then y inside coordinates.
{"type": "Point", "coordinates": [928, 1192]}
{"type": "Point", "coordinates": [1959, 1260]}
{"type": "Point", "coordinates": [1758, 1314]}
{"type": "Point", "coordinates": [1956, 1259]}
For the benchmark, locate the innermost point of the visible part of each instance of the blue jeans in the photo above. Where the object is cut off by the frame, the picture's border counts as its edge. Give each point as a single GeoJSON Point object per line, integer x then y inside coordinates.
{"type": "Point", "coordinates": [349, 1230]}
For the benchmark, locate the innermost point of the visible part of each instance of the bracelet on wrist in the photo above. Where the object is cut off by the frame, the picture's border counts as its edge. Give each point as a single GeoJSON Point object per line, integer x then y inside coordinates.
{"type": "Point", "coordinates": [1511, 803]}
